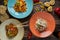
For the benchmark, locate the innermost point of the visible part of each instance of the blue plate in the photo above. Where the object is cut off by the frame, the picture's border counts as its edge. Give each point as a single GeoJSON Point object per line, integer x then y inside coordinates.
{"type": "Point", "coordinates": [11, 3]}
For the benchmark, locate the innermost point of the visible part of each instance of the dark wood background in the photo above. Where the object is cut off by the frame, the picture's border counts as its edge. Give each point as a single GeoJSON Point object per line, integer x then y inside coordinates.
{"type": "Point", "coordinates": [53, 36]}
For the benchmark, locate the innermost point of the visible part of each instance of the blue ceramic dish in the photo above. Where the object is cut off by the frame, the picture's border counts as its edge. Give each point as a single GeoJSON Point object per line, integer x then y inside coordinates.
{"type": "Point", "coordinates": [11, 3]}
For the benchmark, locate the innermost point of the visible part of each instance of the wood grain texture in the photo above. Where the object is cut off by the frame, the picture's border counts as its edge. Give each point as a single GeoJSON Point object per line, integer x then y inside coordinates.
{"type": "Point", "coordinates": [28, 18]}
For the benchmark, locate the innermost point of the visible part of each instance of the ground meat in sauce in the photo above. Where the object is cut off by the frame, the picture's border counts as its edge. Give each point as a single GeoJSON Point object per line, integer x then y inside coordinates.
{"type": "Point", "coordinates": [11, 31]}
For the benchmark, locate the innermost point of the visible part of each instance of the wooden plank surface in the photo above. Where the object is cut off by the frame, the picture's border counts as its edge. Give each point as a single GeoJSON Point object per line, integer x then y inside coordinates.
{"type": "Point", "coordinates": [27, 19]}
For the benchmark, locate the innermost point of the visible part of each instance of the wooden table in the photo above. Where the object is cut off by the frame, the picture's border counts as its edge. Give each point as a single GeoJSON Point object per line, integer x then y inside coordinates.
{"type": "Point", "coordinates": [52, 37]}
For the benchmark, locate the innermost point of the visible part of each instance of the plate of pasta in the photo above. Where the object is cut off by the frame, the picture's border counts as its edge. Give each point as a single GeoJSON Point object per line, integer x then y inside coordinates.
{"type": "Point", "coordinates": [42, 24]}
{"type": "Point", "coordinates": [20, 8]}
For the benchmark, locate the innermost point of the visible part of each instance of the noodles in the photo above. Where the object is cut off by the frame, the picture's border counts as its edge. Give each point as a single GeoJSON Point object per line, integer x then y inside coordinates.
{"type": "Point", "coordinates": [20, 6]}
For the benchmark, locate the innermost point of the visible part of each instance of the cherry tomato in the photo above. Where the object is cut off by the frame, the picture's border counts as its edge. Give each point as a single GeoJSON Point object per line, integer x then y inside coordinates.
{"type": "Point", "coordinates": [35, 1]}
{"type": "Point", "coordinates": [57, 11]}
{"type": "Point", "coordinates": [12, 29]}
{"type": "Point", "coordinates": [29, 35]}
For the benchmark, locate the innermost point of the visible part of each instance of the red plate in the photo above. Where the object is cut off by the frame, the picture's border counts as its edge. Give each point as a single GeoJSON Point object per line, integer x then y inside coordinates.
{"type": "Point", "coordinates": [50, 24]}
